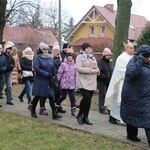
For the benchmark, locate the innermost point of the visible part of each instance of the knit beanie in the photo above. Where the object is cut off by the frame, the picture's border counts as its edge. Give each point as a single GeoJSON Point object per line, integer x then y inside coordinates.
{"type": "Point", "coordinates": [106, 51]}
{"type": "Point", "coordinates": [43, 45]}
{"type": "Point", "coordinates": [85, 45]}
{"type": "Point", "coordinates": [56, 46]}
{"type": "Point", "coordinates": [28, 49]}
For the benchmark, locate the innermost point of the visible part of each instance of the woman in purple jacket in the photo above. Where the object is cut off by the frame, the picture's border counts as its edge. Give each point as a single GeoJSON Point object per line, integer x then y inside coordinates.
{"type": "Point", "coordinates": [67, 79]}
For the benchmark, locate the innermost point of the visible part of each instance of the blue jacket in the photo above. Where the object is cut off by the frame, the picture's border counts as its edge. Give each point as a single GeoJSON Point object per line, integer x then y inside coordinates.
{"type": "Point", "coordinates": [135, 105]}
{"type": "Point", "coordinates": [3, 63]}
{"type": "Point", "coordinates": [44, 70]}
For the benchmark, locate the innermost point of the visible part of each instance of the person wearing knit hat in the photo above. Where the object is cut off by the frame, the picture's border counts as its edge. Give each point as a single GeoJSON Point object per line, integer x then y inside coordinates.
{"type": "Point", "coordinates": [86, 45]}
{"type": "Point", "coordinates": [8, 73]}
{"type": "Point", "coordinates": [64, 51]}
{"type": "Point", "coordinates": [56, 46]}
{"type": "Point", "coordinates": [103, 79]}
{"type": "Point", "coordinates": [45, 80]}
{"type": "Point", "coordinates": [67, 78]}
{"type": "Point", "coordinates": [26, 63]}
{"type": "Point", "coordinates": [43, 46]}
{"type": "Point", "coordinates": [107, 51]}
{"type": "Point", "coordinates": [87, 71]}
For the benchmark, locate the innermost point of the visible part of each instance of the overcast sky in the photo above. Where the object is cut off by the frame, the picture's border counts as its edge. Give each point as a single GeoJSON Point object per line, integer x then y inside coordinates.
{"type": "Point", "coordinates": [78, 8]}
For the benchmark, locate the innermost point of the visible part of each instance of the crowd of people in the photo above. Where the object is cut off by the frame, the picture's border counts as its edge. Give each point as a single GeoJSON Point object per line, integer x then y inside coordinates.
{"type": "Point", "coordinates": [52, 74]}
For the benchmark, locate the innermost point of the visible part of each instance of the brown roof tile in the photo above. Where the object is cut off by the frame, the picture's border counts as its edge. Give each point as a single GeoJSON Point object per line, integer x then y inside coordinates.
{"type": "Point", "coordinates": [28, 35]}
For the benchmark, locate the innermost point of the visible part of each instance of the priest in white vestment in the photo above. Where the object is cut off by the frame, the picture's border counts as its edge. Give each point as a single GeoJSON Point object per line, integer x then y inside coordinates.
{"type": "Point", "coordinates": [113, 95]}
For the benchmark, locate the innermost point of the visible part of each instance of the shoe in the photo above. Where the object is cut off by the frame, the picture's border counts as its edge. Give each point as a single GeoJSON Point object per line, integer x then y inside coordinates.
{"type": "Point", "coordinates": [33, 114]}
{"type": "Point", "coordinates": [10, 103]}
{"type": "Point", "coordinates": [43, 111]}
{"type": "Point", "coordinates": [104, 112]}
{"type": "Point", "coordinates": [73, 110]}
{"type": "Point", "coordinates": [21, 99]}
{"type": "Point", "coordinates": [1, 97]}
{"type": "Point", "coordinates": [135, 139]}
{"type": "Point", "coordinates": [113, 120]}
{"type": "Point", "coordinates": [55, 115]}
{"type": "Point", "coordinates": [86, 120]}
{"type": "Point", "coordinates": [80, 119]}
{"type": "Point", "coordinates": [29, 106]}
{"type": "Point", "coordinates": [59, 109]}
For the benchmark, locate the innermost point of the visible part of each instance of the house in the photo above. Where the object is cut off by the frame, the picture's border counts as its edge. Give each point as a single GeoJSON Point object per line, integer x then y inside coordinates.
{"type": "Point", "coordinates": [98, 26]}
{"type": "Point", "coordinates": [24, 37]}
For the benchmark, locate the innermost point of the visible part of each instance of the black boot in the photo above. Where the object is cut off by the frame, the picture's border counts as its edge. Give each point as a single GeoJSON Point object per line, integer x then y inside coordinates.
{"type": "Point", "coordinates": [113, 120]}
{"type": "Point", "coordinates": [86, 120]}
{"type": "Point", "coordinates": [59, 109]}
{"type": "Point", "coordinates": [55, 115]}
{"type": "Point", "coordinates": [79, 119]}
{"type": "Point", "coordinates": [33, 114]}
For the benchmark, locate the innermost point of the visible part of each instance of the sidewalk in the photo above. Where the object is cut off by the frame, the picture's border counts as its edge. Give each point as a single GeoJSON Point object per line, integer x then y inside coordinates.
{"type": "Point", "coordinates": [100, 122]}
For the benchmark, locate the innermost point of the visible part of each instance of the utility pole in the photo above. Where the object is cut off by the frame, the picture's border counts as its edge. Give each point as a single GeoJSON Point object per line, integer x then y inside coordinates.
{"type": "Point", "coordinates": [59, 23]}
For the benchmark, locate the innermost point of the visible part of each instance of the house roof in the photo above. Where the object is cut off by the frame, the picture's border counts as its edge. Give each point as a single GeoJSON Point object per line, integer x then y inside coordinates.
{"type": "Point", "coordinates": [137, 23]}
{"type": "Point", "coordinates": [27, 35]}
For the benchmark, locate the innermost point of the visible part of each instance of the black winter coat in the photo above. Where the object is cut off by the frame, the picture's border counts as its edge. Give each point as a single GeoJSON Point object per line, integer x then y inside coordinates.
{"type": "Point", "coordinates": [105, 67]}
{"type": "Point", "coordinates": [26, 64]}
{"type": "Point", "coordinates": [10, 62]}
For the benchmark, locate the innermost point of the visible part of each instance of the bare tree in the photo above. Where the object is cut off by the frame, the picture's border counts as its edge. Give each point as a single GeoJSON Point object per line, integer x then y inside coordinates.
{"type": "Point", "coordinates": [3, 4]}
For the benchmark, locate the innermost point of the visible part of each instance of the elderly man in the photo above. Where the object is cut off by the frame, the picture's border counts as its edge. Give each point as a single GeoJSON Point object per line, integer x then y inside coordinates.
{"type": "Point", "coordinates": [113, 95]}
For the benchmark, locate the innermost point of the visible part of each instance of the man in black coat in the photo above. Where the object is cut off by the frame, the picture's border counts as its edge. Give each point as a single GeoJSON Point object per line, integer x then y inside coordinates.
{"type": "Point", "coordinates": [105, 67]}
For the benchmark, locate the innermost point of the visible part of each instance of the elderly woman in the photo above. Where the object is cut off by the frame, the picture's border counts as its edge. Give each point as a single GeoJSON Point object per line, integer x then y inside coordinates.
{"type": "Point", "coordinates": [135, 105]}
{"type": "Point", "coordinates": [44, 73]}
{"type": "Point", "coordinates": [87, 71]}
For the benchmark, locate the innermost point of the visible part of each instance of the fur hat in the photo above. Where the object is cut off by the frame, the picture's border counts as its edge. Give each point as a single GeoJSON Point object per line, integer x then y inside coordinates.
{"type": "Point", "coordinates": [106, 51]}
{"type": "Point", "coordinates": [43, 45]}
{"type": "Point", "coordinates": [10, 43]}
{"type": "Point", "coordinates": [66, 45]}
{"type": "Point", "coordinates": [85, 45]}
{"type": "Point", "coordinates": [7, 46]}
{"type": "Point", "coordinates": [56, 46]}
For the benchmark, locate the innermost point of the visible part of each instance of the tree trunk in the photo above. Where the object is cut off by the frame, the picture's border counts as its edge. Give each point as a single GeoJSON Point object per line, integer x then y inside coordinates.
{"type": "Point", "coordinates": [121, 26]}
{"type": "Point", "coordinates": [3, 4]}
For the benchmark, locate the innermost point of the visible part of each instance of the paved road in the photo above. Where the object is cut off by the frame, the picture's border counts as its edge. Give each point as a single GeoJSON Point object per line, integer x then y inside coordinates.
{"type": "Point", "coordinates": [100, 122]}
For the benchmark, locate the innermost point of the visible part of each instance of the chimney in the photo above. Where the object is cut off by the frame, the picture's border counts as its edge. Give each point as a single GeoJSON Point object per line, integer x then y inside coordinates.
{"type": "Point", "coordinates": [110, 7]}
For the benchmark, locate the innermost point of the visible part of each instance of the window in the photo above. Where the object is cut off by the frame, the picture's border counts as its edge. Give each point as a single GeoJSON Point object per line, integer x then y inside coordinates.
{"type": "Point", "coordinates": [102, 31]}
{"type": "Point", "coordinates": [91, 31]}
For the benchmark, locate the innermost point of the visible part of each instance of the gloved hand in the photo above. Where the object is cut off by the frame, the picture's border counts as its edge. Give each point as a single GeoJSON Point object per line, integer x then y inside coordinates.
{"type": "Point", "coordinates": [141, 57]}
{"type": "Point", "coordinates": [49, 77]}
